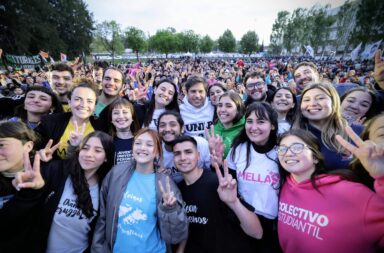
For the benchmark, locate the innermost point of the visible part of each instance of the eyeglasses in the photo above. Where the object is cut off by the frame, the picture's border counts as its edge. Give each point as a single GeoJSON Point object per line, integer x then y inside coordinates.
{"type": "Point", "coordinates": [253, 85]}
{"type": "Point", "coordinates": [295, 148]}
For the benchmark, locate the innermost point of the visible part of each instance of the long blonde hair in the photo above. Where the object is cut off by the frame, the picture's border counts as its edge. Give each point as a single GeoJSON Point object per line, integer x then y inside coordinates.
{"type": "Point", "coordinates": [334, 124]}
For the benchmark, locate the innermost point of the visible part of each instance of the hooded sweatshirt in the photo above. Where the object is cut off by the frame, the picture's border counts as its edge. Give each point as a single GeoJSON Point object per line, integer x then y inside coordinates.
{"type": "Point", "coordinates": [196, 119]}
{"type": "Point", "coordinates": [342, 216]}
{"type": "Point", "coordinates": [229, 134]}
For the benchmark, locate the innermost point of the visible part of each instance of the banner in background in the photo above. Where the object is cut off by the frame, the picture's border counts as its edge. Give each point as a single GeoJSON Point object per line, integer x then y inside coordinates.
{"type": "Point", "coordinates": [370, 50]}
{"type": "Point", "coordinates": [63, 57]}
{"type": "Point", "coordinates": [22, 61]}
{"type": "Point", "coordinates": [310, 50]}
{"type": "Point", "coordinates": [355, 52]}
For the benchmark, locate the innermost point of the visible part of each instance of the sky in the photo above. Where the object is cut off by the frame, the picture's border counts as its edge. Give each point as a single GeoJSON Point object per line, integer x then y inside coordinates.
{"type": "Point", "coordinates": [211, 17]}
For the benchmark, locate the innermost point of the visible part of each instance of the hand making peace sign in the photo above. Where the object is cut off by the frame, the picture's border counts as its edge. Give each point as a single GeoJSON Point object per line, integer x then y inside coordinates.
{"type": "Point", "coordinates": [77, 135]}
{"type": "Point", "coordinates": [370, 154]}
{"type": "Point", "coordinates": [216, 146]}
{"type": "Point", "coordinates": [169, 199]}
{"type": "Point", "coordinates": [47, 152]}
{"type": "Point", "coordinates": [30, 177]}
{"type": "Point", "coordinates": [227, 189]}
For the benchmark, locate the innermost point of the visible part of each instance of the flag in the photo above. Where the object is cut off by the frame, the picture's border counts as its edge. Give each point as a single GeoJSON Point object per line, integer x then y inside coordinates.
{"type": "Point", "coordinates": [84, 58]}
{"type": "Point", "coordinates": [310, 50]}
{"type": "Point", "coordinates": [63, 57]}
{"type": "Point", "coordinates": [369, 50]}
{"type": "Point", "coordinates": [355, 52]}
{"type": "Point", "coordinates": [43, 54]}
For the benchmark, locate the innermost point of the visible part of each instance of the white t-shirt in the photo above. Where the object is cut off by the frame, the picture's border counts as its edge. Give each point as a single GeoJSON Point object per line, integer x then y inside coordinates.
{"type": "Point", "coordinates": [70, 227]}
{"type": "Point", "coordinates": [196, 119]}
{"type": "Point", "coordinates": [283, 126]}
{"type": "Point", "coordinates": [204, 162]}
{"type": "Point", "coordinates": [155, 117]}
{"type": "Point", "coordinates": [259, 182]}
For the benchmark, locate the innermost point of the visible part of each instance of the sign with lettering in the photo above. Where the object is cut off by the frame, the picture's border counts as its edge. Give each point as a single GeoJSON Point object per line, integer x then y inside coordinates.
{"type": "Point", "coordinates": [26, 62]}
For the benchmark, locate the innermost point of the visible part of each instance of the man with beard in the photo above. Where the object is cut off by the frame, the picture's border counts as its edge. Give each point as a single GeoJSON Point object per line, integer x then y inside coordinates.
{"type": "Point", "coordinates": [112, 84]}
{"type": "Point", "coordinates": [256, 88]}
{"type": "Point", "coordinates": [62, 76]}
{"type": "Point", "coordinates": [305, 73]}
{"type": "Point", "coordinates": [170, 126]}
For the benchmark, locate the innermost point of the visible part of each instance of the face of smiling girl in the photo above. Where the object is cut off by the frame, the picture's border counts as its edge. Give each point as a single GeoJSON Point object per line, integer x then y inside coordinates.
{"type": "Point", "coordinates": [164, 94]}
{"type": "Point", "coordinates": [258, 130]}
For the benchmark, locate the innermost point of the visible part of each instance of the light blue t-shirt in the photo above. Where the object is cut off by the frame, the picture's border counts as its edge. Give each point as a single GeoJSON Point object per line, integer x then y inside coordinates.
{"type": "Point", "coordinates": [137, 229]}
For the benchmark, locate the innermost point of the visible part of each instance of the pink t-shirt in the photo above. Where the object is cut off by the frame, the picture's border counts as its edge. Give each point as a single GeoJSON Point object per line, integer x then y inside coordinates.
{"type": "Point", "coordinates": [342, 216]}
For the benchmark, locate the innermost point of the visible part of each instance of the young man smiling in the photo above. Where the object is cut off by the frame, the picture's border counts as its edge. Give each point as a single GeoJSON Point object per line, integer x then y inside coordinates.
{"type": "Point", "coordinates": [170, 127]}
{"type": "Point", "coordinates": [218, 220]}
{"type": "Point", "coordinates": [196, 110]}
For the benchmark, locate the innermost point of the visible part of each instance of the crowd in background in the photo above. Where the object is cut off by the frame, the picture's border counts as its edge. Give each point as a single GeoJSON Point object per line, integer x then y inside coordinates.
{"type": "Point", "coordinates": [193, 155]}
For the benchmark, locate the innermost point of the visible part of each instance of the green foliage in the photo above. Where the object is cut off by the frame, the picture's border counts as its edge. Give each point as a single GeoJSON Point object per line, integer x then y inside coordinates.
{"type": "Point", "coordinates": [249, 42]}
{"type": "Point", "coordinates": [189, 41]}
{"type": "Point", "coordinates": [278, 29]}
{"type": "Point", "coordinates": [165, 41]}
{"type": "Point", "coordinates": [302, 27]}
{"type": "Point", "coordinates": [206, 44]}
{"type": "Point", "coordinates": [50, 25]}
{"type": "Point", "coordinates": [135, 40]}
{"type": "Point", "coordinates": [227, 42]}
{"type": "Point", "coordinates": [108, 34]}
{"type": "Point", "coordinates": [369, 22]}
{"type": "Point", "coordinates": [319, 27]}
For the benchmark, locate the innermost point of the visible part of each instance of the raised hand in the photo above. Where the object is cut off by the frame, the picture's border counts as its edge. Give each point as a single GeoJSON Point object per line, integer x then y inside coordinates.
{"type": "Point", "coordinates": [216, 146]}
{"type": "Point", "coordinates": [30, 177]}
{"type": "Point", "coordinates": [227, 189]}
{"type": "Point", "coordinates": [77, 135]}
{"type": "Point", "coordinates": [370, 154]}
{"type": "Point", "coordinates": [47, 152]}
{"type": "Point", "coordinates": [379, 69]}
{"type": "Point", "coordinates": [169, 199]}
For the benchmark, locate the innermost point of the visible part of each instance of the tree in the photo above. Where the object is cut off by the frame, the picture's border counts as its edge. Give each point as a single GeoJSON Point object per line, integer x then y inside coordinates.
{"type": "Point", "coordinates": [189, 41]}
{"type": "Point", "coordinates": [345, 23]}
{"type": "Point", "coordinates": [74, 25]}
{"type": "Point", "coordinates": [249, 42]}
{"type": "Point", "coordinates": [278, 29]}
{"type": "Point", "coordinates": [51, 25]}
{"type": "Point", "coordinates": [227, 42]}
{"type": "Point", "coordinates": [319, 27]}
{"type": "Point", "coordinates": [299, 28]}
{"type": "Point", "coordinates": [206, 44]}
{"type": "Point", "coordinates": [164, 41]}
{"type": "Point", "coordinates": [135, 40]}
{"type": "Point", "coordinates": [289, 37]}
{"type": "Point", "coordinates": [108, 34]}
{"type": "Point", "coordinates": [369, 22]}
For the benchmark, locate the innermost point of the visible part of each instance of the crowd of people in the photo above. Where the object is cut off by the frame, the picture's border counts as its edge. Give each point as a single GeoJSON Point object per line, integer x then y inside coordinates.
{"type": "Point", "coordinates": [193, 155]}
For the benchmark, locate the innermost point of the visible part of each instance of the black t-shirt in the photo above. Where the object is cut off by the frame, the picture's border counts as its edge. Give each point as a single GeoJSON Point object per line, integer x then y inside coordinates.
{"type": "Point", "coordinates": [213, 227]}
{"type": "Point", "coordinates": [123, 150]}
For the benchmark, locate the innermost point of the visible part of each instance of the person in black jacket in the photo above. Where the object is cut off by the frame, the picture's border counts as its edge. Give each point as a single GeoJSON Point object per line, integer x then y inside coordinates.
{"type": "Point", "coordinates": [69, 200]}
{"type": "Point", "coordinates": [59, 127]}
{"type": "Point", "coordinates": [16, 207]}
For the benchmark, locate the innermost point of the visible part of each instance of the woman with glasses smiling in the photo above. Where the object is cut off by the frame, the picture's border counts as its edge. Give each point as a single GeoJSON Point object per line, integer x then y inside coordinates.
{"type": "Point", "coordinates": [328, 212]}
